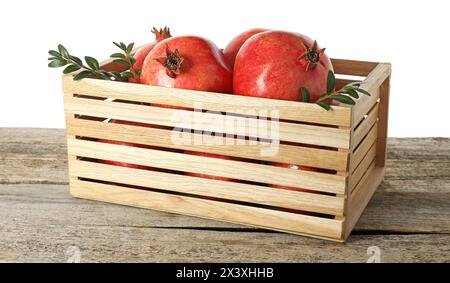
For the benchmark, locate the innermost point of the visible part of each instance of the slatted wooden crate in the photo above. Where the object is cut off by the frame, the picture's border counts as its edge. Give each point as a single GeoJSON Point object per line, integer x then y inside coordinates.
{"type": "Point", "coordinates": [347, 143]}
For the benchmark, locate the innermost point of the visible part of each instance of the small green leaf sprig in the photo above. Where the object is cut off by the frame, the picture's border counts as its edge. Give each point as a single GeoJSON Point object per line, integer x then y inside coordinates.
{"type": "Point", "coordinates": [91, 69]}
{"type": "Point", "coordinates": [127, 59]}
{"type": "Point", "coordinates": [345, 95]}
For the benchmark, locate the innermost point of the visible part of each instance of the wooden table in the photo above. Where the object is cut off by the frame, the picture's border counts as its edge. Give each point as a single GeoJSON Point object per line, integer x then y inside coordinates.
{"type": "Point", "coordinates": [408, 219]}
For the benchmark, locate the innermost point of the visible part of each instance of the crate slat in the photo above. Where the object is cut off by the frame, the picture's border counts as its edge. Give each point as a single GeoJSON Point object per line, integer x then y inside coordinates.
{"type": "Point", "coordinates": [207, 187]}
{"type": "Point", "coordinates": [361, 195]}
{"type": "Point", "coordinates": [368, 159]}
{"type": "Point", "coordinates": [365, 126]}
{"type": "Point", "coordinates": [327, 159]}
{"type": "Point", "coordinates": [383, 114]}
{"type": "Point", "coordinates": [209, 166]}
{"type": "Point", "coordinates": [371, 84]}
{"type": "Point", "coordinates": [298, 133]}
{"type": "Point", "coordinates": [352, 67]}
{"type": "Point", "coordinates": [364, 147]}
{"type": "Point", "coordinates": [340, 83]}
{"type": "Point", "coordinates": [288, 110]}
{"type": "Point", "coordinates": [240, 214]}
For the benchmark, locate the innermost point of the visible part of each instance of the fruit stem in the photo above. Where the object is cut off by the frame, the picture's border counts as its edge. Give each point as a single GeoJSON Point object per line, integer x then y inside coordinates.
{"type": "Point", "coordinates": [161, 34]}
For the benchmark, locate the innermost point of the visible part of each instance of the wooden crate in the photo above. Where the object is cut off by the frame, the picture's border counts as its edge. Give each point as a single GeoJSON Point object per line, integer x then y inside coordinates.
{"type": "Point", "coordinates": [347, 143]}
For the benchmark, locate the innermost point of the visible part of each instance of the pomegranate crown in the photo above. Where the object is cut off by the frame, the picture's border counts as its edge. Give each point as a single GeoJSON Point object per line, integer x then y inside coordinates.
{"type": "Point", "coordinates": [161, 34]}
{"type": "Point", "coordinates": [172, 62]}
{"type": "Point", "coordinates": [312, 56]}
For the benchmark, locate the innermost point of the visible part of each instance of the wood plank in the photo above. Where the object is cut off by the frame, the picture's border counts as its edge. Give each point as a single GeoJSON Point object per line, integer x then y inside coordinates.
{"type": "Point", "coordinates": [363, 148]}
{"type": "Point", "coordinates": [210, 166]}
{"type": "Point", "coordinates": [353, 67]}
{"type": "Point", "coordinates": [35, 156]}
{"type": "Point", "coordinates": [371, 84]}
{"type": "Point", "coordinates": [205, 187]}
{"type": "Point", "coordinates": [363, 105]}
{"type": "Point", "coordinates": [340, 83]}
{"type": "Point", "coordinates": [361, 196]}
{"type": "Point", "coordinates": [259, 217]}
{"type": "Point", "coordinates": [289, 110]}
{"type": "Point", "coordinates": [418, 172]}
{"type": "Point", "coordinates": [390, 211]}
{"type": "Point", "coordinates": [327, 159]}
{"type": "Point", "coordinates": [383, 123]}
{"type": "Point", "coordinates": [51, 221]}
{"type": "Point", "coordinates": [364, 127]}
{"type": "Point", "coordinates": [396, 209]}
{"type": "Point", "coordinates": [359, 171]}
{"type": "Point", "coordinates": [299, 133]}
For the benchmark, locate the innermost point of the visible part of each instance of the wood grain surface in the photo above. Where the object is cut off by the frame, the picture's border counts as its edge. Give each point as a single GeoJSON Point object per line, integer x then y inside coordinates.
{"type": "Point", "coordinates": [408, 218]}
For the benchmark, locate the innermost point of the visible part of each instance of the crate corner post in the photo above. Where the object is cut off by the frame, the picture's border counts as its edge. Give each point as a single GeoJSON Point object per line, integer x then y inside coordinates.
{"type": "Point", "coordinates": [369, 143]}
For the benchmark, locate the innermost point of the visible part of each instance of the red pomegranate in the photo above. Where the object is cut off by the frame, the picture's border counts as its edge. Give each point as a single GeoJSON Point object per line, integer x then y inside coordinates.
{"type": "Point", "coordinates": [294, 167]}
{"type": "Point", "coordinates": [276, 64]}
{"type": "Point", "coordinates": [187, 62]}
{"type": "Point", "coordinates": [143, 51]}
{"type": "Point", "coordinates": [236, 43]}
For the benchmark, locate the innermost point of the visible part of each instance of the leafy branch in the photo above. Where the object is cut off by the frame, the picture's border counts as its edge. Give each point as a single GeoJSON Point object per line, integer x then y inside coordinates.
{"type": "Point", "coordinates": [127, 59]}
{"type": "Point", "coordinates": [345, 95]}
{"type": "Point", "coordinates": [91, 69]}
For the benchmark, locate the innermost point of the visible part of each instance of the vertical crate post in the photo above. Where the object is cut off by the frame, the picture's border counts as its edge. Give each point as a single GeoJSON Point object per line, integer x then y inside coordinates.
{"type": "Point", "coordinates": [70, 158]}
{"type": "Point", "coordinates": [383, 112]}
{"type": "Point", "coordinates": [369, 137]}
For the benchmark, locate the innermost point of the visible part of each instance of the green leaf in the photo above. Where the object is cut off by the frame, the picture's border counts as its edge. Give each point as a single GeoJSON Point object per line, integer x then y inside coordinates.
{"type": "Point", "coordinates": [137, 71]}
{"type": "Point", "coordinates": [54, 53]}
{"type": "Point", "coordinates": [52, 58]}
{"type": "Point", "coordinates": [92, 62]}
{"type": "Point", "coordinates": [76, 59]}
{"type": "Point", "coordinates": [350, 91]}
{"type": "Point", "coordinates": [57, 63]}
{"type": "Point", "coordinates": [70, 69]}
{"type": "Point", "coordinates": [105, 74]}
{"type": "Point", "coordinates": [356, 84]}
{"type": "Point", "coordinates": [123, 62]}
{"type": "Point", "coordinates": [363, 91]}
{"type": "Point", "coordinates": [127, 75]}
{"type": "Point", "coordinates": [117, 44]}
{"type": "Point", "coordinates": [130, 48]}
{"type": "Point", "coordinates": [324, 105]}
{"type": "Point", "coordinates": [132, 60]}
{"type": "Point", "coordinates": [331, 81]}
{"type": "Point", "coordinates": [83, 75]}
{"type": "Point", "coordinates": [116, 76]}
{"type": "Point", "coordinates": [323, 95]}
{"type": "Point", "coordinates": [305, 94]}
{"type": "Point", "coordinates": [63, 51]}
{"type": "Point", "coordinates": [343, 99]}
{"type": "Point", "coordinates": [123, 46]}
{"type": "Point", "coordinates": [118, 55]}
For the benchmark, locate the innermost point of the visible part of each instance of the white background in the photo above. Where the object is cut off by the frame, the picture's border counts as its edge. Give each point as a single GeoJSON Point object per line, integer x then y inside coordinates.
{"type": "Point", "coordinates": [412, 35]}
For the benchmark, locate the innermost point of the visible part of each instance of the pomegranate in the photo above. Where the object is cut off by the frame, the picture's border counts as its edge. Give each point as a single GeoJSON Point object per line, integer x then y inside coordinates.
{"type": "Point", "coordinates": [293, 167]}
{"type": "Point", "coordinates": [187, 62]}
{"type": "Point", "coordinates": [276, 64]}
{"type": "Point", "coordinates": [236, 43]}
{"type": "Point", "coordinates": [143, 51]}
